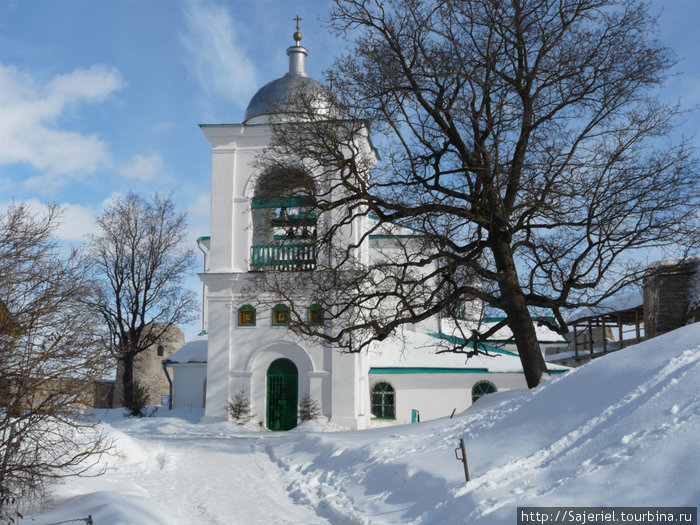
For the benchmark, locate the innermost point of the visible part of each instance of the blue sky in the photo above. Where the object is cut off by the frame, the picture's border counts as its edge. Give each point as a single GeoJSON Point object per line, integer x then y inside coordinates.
{"type": "Point", "coordinates": [100, 97]}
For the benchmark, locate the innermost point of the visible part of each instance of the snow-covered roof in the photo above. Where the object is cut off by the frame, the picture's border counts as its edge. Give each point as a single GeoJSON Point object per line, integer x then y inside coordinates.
{"type": "Point", "coordinates": [412, 350]}
{"type": "Point", "coordinates": [193, 352]}
{"type": "Point", "coordinates": [619, 303]}
{"type": "Point", "coordinates": [465, 326]}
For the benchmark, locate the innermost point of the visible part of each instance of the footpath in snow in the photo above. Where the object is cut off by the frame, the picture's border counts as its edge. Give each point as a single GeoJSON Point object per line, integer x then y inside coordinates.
{"type": "Point", "coordinates": [169, 470]}
{"type": "Point", "coordinates": [620, 431]}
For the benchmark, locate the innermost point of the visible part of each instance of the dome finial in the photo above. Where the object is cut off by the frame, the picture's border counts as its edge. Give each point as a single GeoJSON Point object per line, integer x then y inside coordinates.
{"type": "Point", "coordinates": [297, 35]}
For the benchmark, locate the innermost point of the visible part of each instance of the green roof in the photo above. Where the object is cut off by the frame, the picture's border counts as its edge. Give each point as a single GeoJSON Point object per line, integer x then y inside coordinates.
{"type": "Point", "coordinates": [459, 341]}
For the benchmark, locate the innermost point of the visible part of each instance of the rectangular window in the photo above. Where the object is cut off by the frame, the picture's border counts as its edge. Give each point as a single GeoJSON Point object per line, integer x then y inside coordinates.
{"type": "Point", "coordinates": [246, 316]}
{"type": "Point", "coordinates": [280, 316]}
{"type": "Point", "coordinates": [315, 315]}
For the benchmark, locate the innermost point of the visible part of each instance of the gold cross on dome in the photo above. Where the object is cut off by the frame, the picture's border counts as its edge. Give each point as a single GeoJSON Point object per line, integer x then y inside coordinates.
{"type": "Point", "coordinates": [298, 19]}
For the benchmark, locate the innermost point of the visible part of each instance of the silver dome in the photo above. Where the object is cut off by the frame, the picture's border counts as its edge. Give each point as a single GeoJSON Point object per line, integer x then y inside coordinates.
{"type": "Point", "coordinates": [278, 96]}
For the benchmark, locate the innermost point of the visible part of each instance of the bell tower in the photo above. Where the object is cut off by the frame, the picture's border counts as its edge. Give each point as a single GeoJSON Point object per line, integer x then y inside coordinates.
{"type": "Point", "coordinates": [266, 221]}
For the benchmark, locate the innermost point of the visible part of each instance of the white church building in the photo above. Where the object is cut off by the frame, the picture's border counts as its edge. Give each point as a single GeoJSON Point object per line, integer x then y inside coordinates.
{"type": "Point", "coordinates": [248, 347]}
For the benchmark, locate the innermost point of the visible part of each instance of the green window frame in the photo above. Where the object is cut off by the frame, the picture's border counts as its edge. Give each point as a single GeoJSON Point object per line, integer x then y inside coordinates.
{"type": "Point", "coordinates": [280, 315]}
{"type": "Point", "coordinates": [383, 401]}
{"type": "Point", "coordinates": [481, 388]}
{"type": "Point", "coordinates": [315, 315]}
{"type": "Point", "coordinates": [247, 316]}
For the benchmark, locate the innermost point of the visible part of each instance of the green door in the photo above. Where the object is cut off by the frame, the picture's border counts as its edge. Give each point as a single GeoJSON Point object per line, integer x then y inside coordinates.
{"type": "Point", "coordinates": [282, 387]}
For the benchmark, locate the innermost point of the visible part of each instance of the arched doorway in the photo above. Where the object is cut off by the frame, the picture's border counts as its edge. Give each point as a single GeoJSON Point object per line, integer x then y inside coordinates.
{"type": "Point", "coordinates": [282, 390]}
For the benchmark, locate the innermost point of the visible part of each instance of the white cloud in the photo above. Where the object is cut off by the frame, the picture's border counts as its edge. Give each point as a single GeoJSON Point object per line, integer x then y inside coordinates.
{"type": "Point", "coordinates": [91, 85]}
{"type": "Point", "coordinates": [219, 61]}
{"type": "Point", "coordinates": [143, 168]}
{"type": "Point", "coordinates": [30, 134]}
{"type": "Point", "coordinates": [78, 221]}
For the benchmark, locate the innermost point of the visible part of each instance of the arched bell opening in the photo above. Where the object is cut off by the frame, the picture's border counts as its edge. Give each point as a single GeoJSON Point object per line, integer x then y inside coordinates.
{"type": "Point", "coordinates": [284, 221]}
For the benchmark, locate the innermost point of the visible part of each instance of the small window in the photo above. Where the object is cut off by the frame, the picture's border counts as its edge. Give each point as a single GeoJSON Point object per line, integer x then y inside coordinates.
{"type": "Point", "coordinates": [315, 316]}
{"type": "Point", "coordinates": [246, 315]}
{"type": "Point", "coordinates": [481, 388]}
{"type": "Point", "coordinates": [383, 401]}
{"type": "Point", "coordinates": [160, 351]}
{"type": "Point", "coordinates": [280, 315]}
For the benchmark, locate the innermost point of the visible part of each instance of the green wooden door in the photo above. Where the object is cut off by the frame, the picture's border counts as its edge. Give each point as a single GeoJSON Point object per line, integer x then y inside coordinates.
{"type": "Point", "coordinates": [282, 388]}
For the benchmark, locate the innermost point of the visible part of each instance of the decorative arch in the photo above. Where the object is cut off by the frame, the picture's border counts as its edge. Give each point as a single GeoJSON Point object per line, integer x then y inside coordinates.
{"type": "Point", "coordinates": [261, 359]}
{"type": "Point", "coordinates": [258, 364]}
{"type": "Point", "coordinates": [278, 182]}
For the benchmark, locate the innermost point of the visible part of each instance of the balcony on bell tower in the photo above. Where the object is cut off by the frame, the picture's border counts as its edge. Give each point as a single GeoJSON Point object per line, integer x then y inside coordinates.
{"type": "Point", "coordinates": [284, 222]}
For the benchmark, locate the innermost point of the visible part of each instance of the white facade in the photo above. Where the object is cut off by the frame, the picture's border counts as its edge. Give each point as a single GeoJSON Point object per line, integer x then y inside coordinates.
{"type": "Point", "coordinates": [250, 357]}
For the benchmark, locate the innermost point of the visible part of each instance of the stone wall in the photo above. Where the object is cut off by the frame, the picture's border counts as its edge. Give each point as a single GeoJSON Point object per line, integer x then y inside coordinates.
{"type": "Point", "coordinates": [671, 296]}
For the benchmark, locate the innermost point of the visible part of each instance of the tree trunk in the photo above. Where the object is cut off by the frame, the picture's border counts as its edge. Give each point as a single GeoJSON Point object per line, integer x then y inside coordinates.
{"type": "Point", "coordinates": [128, 378]}
{"type": "Point", "coordinates": [519, 320]}
{"type": "Point", "coordinates": [523, 329]}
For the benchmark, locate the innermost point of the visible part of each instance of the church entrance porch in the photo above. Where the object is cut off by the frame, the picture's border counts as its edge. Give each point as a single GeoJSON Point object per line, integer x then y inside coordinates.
{"type": "Point", "coordinates": [282, 395]}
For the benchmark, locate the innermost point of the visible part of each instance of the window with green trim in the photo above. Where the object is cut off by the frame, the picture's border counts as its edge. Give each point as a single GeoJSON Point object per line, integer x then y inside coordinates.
{"type": "Point", "coordinates": [246, 315]}
{"type": "Point", "coordinates": [280, 315]}
{"type": "Point", "coordinates": [315, 314]}
{"type": "Point", "coordinates": [481, 388]}
{"type": "Point", "coordinates": [383, 401]}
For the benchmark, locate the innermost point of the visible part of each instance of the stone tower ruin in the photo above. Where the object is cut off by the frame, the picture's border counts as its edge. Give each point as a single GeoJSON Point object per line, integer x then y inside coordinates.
{"type": "Point", "coordinates": [672, 296]}
{"type": "Point", "coordinates": [148, 370]}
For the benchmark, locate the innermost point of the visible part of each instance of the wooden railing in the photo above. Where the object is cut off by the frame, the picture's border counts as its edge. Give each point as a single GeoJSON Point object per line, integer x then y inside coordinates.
{"type": "Point", "coordinates": [283, 257]}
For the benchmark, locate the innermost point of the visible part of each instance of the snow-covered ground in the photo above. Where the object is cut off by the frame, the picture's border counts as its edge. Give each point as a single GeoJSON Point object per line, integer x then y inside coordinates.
{"type": "Point", "coordinates": [620, 431]}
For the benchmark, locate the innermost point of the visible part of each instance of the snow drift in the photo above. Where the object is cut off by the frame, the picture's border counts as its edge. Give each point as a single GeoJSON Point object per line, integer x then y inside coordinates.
{"type": "Point", "coordinates": [620, 431]}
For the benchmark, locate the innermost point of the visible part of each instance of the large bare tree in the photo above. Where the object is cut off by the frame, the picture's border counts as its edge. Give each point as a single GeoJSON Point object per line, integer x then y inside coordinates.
{"type": "Point", "coordinates": [50, 360]}
{"type": "Point", "coordinates": [140, 261]}
{"type": "Point", "coordinates": [522, 141]}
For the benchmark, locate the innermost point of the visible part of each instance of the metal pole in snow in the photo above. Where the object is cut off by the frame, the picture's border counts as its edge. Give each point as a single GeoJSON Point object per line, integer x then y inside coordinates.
{"type": "Point", "coordinates": [463, 459]}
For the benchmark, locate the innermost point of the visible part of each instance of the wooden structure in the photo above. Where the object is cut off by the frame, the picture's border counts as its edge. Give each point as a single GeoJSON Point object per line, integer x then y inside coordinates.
{"type": "Point", "coordinates": [603, 322]}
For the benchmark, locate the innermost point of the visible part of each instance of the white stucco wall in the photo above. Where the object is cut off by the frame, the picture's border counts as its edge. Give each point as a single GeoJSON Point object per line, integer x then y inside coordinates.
{"type": "Point", "coordinates": [188, 384]}
{"type": "Point", "coordinates": [436, 395]}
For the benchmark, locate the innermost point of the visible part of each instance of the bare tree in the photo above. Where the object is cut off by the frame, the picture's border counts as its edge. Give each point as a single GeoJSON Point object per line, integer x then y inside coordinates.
{"type": "Point", "coordinates": [140, 263]}
{"type": "Point", "coordinates": [50, 359]}
{"type": "Point", "coordinates": [521, 141]}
